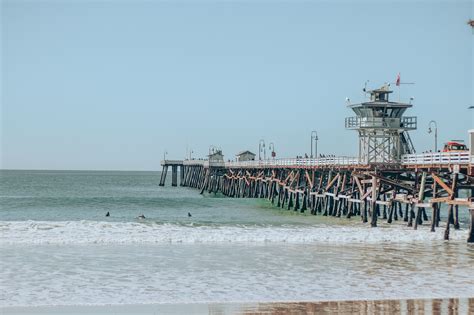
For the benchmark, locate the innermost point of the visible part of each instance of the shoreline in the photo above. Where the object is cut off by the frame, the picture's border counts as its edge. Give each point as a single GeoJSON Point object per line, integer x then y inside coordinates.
{"type": "Point", "coordinates": [456, 305]}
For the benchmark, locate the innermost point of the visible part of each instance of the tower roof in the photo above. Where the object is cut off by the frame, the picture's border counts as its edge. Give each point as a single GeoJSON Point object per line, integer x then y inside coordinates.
{"type": "Point", "coordinates": [380, 98]}
{"type": "Point", "coordinates": [380, 104]}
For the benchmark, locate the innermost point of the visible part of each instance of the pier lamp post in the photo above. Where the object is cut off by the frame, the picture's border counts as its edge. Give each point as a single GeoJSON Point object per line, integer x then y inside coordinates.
{"type": "Point", "coordinates": [164, 155]}
{"type": "Point", "coordinates": [271, 147]}
{"type": "Point", "coordinates": [212, 149]}
{"type": "Point", "coordinates": [314, 138]}
{"type": "Point", "coordinates": [471, 107]}
{"type": "Point", "coordinates": [190, 152]}
{"type": "Point", "coordinates": [435, 133]}
{"type": "Point", "coordinates": [261, 146]}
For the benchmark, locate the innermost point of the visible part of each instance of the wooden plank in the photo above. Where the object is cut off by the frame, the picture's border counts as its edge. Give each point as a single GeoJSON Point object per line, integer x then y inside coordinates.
{"type": "Point", "coordinates": [459, 201]}
{"type": "Point", "coordinates": [288, 177]}
{"type": "Point", "coordinates": [369, 191]}
{"type": "Point", "coordinates": [439, 199]}
{"type": "Point", "coordinates": [380, 202]}
{"type": "Point", "coordinates": [359, 185]}
{"type": "Point", "coordinates": [442, 183]}
{"type": "Point", "coordinates": [423, 205]}
{"type": "Point", "coordinates": [309, 180]}
{"type": "Point", "coordinates": [294, 178]}
{"type": "Point", "coordinates": [332, 181]}
{"type": "Point", "coordinates": [395, 183]}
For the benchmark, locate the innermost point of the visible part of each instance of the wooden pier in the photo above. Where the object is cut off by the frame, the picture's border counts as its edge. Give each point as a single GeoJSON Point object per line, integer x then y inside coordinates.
{"type": "Point", "coordinates": [387, 181]}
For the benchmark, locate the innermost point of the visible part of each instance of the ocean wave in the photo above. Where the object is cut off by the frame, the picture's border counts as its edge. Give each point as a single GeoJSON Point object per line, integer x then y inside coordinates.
{"type": "Point", "coordinates": [94, 232]}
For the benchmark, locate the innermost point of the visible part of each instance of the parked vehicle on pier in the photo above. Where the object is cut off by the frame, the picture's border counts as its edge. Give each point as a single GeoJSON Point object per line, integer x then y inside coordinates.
{"type": "Point", "coordinates": [454, 146]}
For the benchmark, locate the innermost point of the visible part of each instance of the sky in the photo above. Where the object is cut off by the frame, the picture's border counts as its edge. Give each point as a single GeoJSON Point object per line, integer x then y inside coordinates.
{"type": "Point", "coordinates": [113, 85]}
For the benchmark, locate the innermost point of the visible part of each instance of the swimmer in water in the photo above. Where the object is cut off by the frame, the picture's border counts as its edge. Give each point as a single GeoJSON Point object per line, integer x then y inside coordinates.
{"type": "Point", "coordinates": [189, 214]}
{"type": "Point", "coordinates": [141, 216]}
{"type": "Point", "coordinates": [107, 214]}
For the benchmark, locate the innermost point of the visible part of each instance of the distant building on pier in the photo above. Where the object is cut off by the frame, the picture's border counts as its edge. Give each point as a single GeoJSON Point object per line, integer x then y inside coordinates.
{"type": "Point", "coordinates": [245, 156]}
{"type": "Point", "coordinates": [216, 157]}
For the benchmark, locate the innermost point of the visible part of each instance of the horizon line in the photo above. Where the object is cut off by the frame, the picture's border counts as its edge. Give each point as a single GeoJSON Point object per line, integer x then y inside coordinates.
{"type": "Point", "coordinates": [75, 170]}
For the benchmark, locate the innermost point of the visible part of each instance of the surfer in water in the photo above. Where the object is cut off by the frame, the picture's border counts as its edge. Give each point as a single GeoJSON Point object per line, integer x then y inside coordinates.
{"type": "Point", "coordinates": [141, 216]}
{"type": "Point", "coordinates": [107, 214]}
{"type": "Point", "coordinates": [189, 214]}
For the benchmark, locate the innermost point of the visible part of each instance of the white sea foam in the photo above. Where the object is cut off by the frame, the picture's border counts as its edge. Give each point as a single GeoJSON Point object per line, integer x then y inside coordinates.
{"type": "Point", "coordinates": [93, 232]}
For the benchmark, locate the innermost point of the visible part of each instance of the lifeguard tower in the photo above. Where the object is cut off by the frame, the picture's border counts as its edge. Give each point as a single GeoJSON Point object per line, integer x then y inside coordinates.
{"type": "Point", "coordinates": [383, 130]}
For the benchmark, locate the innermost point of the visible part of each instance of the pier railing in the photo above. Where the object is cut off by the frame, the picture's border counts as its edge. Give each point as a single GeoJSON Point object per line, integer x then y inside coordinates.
{"type": "Point", "coordinates": [406, 122]}
{"type": "Point", "coordinates": [437, 158]}
{"type": "Point", "coordinates": [295, 162]}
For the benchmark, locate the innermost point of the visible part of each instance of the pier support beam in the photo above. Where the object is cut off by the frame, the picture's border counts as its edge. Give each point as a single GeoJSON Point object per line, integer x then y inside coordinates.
{"type": "Point", "coordinates": [174, 175]}
{"type": "Point", "coordinates": [470, 239]}
{"type": "Point", "coordinates": [450, 209]}
{"type": "Point", "coordinates": [164, 171]}
{"type": "Point", "coordinates": [373, 222]}
{"type": "Point", "coordinates": [181, 175]}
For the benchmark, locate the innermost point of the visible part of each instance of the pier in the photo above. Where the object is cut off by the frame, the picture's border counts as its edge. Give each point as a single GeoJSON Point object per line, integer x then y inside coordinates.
{"type": "Point", "coordinates": [387, 181]}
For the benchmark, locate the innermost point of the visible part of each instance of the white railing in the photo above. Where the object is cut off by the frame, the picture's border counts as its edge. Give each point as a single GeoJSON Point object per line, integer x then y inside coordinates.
{"type": "Point", "coordinates": [438, 158]}
{"type": "Point", "coordinates": [196, 163]}
{"type": "Point", "coordinates": [171, 162]}
{"type": "Point", "coordinates": [407, 159]}
{"type": "Point", "coordinates": [405, 122]}
{"type": "Point", "coordinates": [308, 162]}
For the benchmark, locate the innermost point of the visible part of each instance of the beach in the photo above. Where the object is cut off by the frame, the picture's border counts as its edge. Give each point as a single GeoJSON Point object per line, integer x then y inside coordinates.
{"type": "Point", "coordinates": [61, 255]}
{"type": "Point", "coordinates": [427, 306]}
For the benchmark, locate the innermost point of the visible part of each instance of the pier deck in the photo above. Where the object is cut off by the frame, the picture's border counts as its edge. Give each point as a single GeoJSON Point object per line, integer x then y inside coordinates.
{"type": "Point", "coordinates": [387, 179]}
{"type": "Point", "coordinates": [343, 186]}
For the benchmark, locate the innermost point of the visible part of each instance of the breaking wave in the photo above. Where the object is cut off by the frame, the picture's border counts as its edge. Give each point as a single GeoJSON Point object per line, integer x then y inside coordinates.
{"type": "Point", "coordinates": [93, 232]}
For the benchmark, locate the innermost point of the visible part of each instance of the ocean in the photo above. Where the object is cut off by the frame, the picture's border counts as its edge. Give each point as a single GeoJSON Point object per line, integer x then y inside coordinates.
{"type": "Point", "coordinates": [59, 249]}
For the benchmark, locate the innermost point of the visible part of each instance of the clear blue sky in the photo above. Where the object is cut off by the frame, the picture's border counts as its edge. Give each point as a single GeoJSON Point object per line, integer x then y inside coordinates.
{"type": "Point", "coordinates": [112, 84]}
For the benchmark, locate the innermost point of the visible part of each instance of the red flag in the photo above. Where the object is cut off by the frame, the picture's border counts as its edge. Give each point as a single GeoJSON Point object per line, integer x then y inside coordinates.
{"type": "Point", "coordinates": [398, 80]}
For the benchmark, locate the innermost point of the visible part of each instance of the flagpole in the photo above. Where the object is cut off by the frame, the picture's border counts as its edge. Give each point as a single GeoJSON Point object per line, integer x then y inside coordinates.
{"type": "Point", "coordinates": [399, 84]}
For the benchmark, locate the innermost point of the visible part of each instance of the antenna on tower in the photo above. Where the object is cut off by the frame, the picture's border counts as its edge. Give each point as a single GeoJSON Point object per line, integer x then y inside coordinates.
{"type": "Point", "coordinates": [398, 82]}
{"type": "Point", "coordinates": [365, 89]}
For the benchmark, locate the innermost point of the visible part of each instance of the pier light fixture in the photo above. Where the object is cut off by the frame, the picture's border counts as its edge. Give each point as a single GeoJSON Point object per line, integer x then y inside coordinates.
{"type": "Point", "coordinates": [314, 139]}
{"type": "Point", "coordinates": [271, 148]}
{"type": "Point", "coordinates": [432, 122]}
{"type": "Point", "coordinates": [212, 149]}
{"type": "Point", "coordinates": [261, 147]}
{"type": "Point", "coordinates": [164, 155]}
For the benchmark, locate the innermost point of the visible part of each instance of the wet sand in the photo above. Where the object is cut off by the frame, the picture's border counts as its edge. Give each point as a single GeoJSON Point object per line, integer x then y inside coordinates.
{"type": "Point", "coordinates": [453, 306]}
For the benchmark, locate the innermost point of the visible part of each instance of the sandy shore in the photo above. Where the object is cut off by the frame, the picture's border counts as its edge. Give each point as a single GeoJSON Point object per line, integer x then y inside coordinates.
{"type": "Point", "coordinates": [416, 306]}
